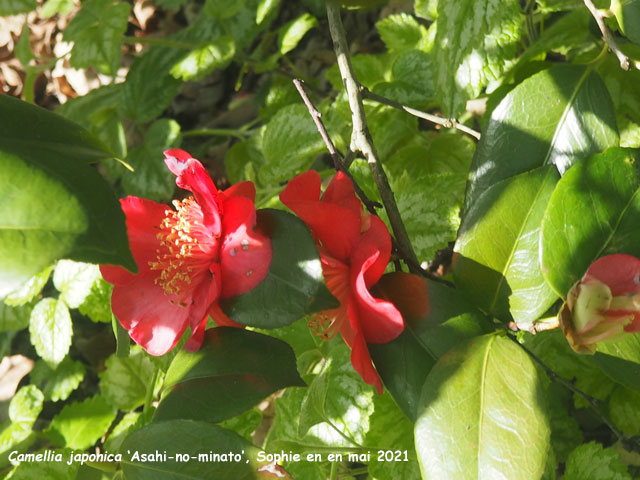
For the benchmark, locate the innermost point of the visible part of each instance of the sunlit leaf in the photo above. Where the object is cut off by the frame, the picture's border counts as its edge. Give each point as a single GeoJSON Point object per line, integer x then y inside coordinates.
{"type": "Point", "coordinates": [81, 424]}
{"type": "Point", "coordinates": [51, 330]}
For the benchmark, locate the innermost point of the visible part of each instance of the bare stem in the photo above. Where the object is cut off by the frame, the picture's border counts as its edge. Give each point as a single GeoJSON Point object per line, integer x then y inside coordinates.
{"type": "Point", "coordinates": [606, 34]}
{"type": "Point", "coordinates": [361, 138]}
{"type": "Point", "coordinates": [445, 122]}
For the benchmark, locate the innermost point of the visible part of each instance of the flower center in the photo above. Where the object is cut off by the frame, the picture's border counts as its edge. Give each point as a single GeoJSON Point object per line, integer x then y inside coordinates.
{"type": "Point", "coordinates": [325, 324]}
{"type": "Point", "coordinates": [187, 247]}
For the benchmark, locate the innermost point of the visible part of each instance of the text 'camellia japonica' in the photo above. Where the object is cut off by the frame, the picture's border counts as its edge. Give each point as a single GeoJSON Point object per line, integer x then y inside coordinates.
{"type": "Point", "coordinates": [354, 249]}
{"type": "Point", "coordinates": [188, 258]}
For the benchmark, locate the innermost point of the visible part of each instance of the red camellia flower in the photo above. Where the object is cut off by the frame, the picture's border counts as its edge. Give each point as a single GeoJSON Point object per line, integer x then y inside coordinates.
{"type": "Point", "coordinates": [354, 248]}
{"type": "Point", "coordinates": [188, 258]}
{"type": "Point", "coordinates": [604, 304]}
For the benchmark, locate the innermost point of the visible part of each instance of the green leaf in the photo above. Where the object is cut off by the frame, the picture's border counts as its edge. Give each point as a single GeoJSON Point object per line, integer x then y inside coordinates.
{"type": "Point", "coordinates": [623, 409]}
{"type": "Point", "coordinates": [74, 281]}
{"type": "Point", "coordinates": [593, 212]}
{"type": "Point", "coordinates": [121, 431]}
{"type": "Point", "coordinates": [339, 398]}
{"type": "Point", "coordinates": [96, 32]}
{"type": "Point", "coordinates": [244, 159]}
{"type": "Point", "coordinates": [29, 290]}
{"type": "Point", "coordinates": [51, 469]}
{"type": "Point", "coordinates": [237, 367]}
{"type": "Point", "coordinates": [124, 382]}
{"type": "Point", "coordinates": [401, 32]}
{"type": "Point", "coordinates": [151, 178]}
{"type": "Point", "coordinates": [474, 42]}
{"type": "Point", "coordinates": [391, 430]}
{"type": "Point", "coordinates": [593, 462]}
{"type": "Point", "coordinates": [24, 408]}
{"type": "Point", "coordinates": [49, 166]}
{"type": "Point", "coordinates": [57, 384]}
{"type": "Point", "coordinates": [60, 7]}
{"type": "Point", "coordinates": [244, 424]}
{"type": "Point", "coordinates": [500, 273]}
{"type": "Point", "coordinates": [266, 8]}
{"type": "Point", "coordinates": [97, 305]}
{"type": "Point", "coordinates": [23, 48]}
{"type": "Point", "coordinates": [14, 318]}
{"type": "Point", "coordinates": [557, 116]}
{"type": "Point", "coordinates": [390, 129]}
{"type": "Point", "coordinates": [290, 34]}
{"type": "Point", "coordinates": [51, 330]}
{"type": "Point", "coordinates": [12, 7]}
{"type": "Point", "coordinates": [205, 59]}
{"type": "Point", "coordinates": [436, 317]}
{"type": "Point", "coordinates": [81, 424]}
{"type": "Point", "coordinates": [620, 360]}
{"type": "Point", "coordinates": [627, 12]}
{"type": "Point", "coordinates": [290, 144]}
{"type": "Point", "coordinates": [369, 70]}
{"type": "Point", "coordinates": [504, 405]}
{"type": "Point", "coordinates": [193, 438]}
{"type": "Point", "coordinates": [294, 285]}
{"type": "Point", "coordinates": [222, 9]}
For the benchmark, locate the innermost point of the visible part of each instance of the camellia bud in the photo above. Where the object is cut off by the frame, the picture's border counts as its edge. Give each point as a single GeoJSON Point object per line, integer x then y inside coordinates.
{"type": "Point", "coordinates": [604, 305]}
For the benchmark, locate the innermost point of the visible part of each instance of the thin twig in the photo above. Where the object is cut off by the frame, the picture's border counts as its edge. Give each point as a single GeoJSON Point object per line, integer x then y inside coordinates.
{"type": "Point", "coordinates": [445, 122]}
{"type": "Point", "coordinates": [340, 166]}
{"type": "Point", "coordinates": [594, 403]}
{"type": "Point", "coordinates": [361, 138]}
{"type": "Point", "coordinates": [606, 35]}
{"type": "Point", "coordinates": [335, 155]}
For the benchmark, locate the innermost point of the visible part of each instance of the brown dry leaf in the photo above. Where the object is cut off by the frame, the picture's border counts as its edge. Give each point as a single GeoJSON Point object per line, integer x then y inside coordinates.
{"type": "Point", "coordinates": [12, 370]}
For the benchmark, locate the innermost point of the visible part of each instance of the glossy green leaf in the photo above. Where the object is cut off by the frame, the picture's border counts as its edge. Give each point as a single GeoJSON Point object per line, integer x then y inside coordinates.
{"type": "Point", "coordinates": [266, 8]}
{"type": "Point", "coordinates": [290, 34]}
{"type": "Point", "coordinates": [151, 178]}
{"type": "Point", "coordinates": [294, 285]}
{"type": "Point", "coordinates": [594, 211]}
{"type": "Point", "coordinates": [627, 12]}
{"type": "Point", "coordinates": [24, 408]}
{"type": "Point", "coordinates": [12, 7]}
{"type": "Point", "coordinates": [79, 425]}
{"type": "Point", "coordinates": [195, 439]}
{"type": "Point", "coordinates": [45, 158]}
{"type": "Point", "coordinates": [124, 381]}
{"type": "Point", "coordinates": [620, 360]}
{"type": "Point", "coordinates": [97, 304]}
{"type": "Point", "coordinates": [500, 273]}
{"type": "Point", "coordinates": [96, 32]}
{"type": "Point", "coordinates": [57, 384]}
{"type": "Point", "coordinates": [500, 431]}
{"type": "Point", "coordinates": [474, 41]}
{"type": "Point", "coordinates": [51, 330]}
{"type": "Point", "coordinates": [339, 397]}
{"type": "Point", "coordinates": [437, 318]}
{"type": "Point", "coordinates": [557, 116]}
{"type": "Point", "coordinates": [205, 59]}
{"type": "Point", "coordinates": [236, 367]}
{"type": "Point", "coordinates": [118, 433]}
{"type": "Point", "coordinates": [592, 461]}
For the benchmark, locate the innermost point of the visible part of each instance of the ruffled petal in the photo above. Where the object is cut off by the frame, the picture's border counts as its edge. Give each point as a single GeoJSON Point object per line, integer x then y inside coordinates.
{"type": "Point", "coordinates": [375, 238]}
{"type": "Point", "coordinates": [245, 255]}
{"type": "Point", "coordinates": [336, 227]}
{"type": "Point", "coordinates": [143, 218]}
{"type": "Point", "coordinates": [153, 321]}
{"type": "Point", "coordinates": [620, 272]}
{"type": "Point", "coordinates": [360, 356]}
{"type": "Point", "coordinates": [197, 336]}
{"type": "Point", "coordinates": [191, 175]}
{"type": "Point", "coordinates": [380, 321]}
{"type": "Point", "coordinates": [242, 189]}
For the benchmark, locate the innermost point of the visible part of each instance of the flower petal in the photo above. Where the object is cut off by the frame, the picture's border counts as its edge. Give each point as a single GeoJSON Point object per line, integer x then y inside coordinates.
{"type": "Point", "coordinates": [360, 356]}
{"type": "Point", "coordinates": [377, 238]}
{"type": "Point", "coordinates": [191, 175]}
{"type": "Point", "coordinates": [154, 323]}
{"type": "Point", "coordinates": [620, 272]}
{"type": "Point", "coordinates": [340, 192]}
{"type": "Point", "coordinates": [242, 189]}
{"type": "Point", "coordinates": [380, 320]}
{"type": "Point", "coordinates": [245, 255]}
{"type": "Point", "coordinates": [302, 194]}
{"type": "Point", "coordinates": [143, 219]}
